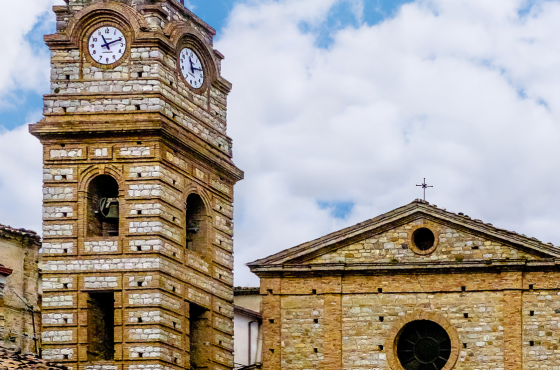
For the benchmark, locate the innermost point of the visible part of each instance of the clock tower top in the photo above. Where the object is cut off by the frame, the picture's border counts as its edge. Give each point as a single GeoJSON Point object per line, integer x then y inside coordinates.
{"type": "Point", "coordinates": [150, 59]}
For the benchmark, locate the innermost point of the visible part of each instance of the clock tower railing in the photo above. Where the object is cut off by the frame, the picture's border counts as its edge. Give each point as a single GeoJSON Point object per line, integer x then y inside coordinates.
{"type": "Point", "coordinates": [138, 191]}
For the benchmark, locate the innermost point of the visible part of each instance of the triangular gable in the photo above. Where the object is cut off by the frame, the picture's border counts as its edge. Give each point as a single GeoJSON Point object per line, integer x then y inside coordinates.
{"type": "Point", "coordinates": [374, 241]}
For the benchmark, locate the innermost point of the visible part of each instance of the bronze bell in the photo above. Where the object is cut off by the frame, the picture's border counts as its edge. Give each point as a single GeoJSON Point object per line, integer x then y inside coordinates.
{"type": "Point", "coordinates": [109, 208]}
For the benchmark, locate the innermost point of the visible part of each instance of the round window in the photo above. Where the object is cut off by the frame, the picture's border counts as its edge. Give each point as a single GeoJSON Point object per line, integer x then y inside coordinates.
{"type": "Point", "coordinates": [423, 345]}
{"type": "Point", "coordinates": [423, 238]}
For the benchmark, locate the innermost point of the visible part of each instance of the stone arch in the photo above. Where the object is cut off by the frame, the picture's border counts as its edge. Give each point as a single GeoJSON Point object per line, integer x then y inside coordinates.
{"type": "Point", "coordinates": [102, 207]}
{"type": "Point", "coordinates": [181, 35]}
{"type": "Point", "coordinates": [105, 11]}
{"type": "Point", "coordinates": [93, 171]}
{"type": "Point", "coordinates": [420, 314]}
{"type": "Point", "coordinates": [93, 225]}
{"type": "Point", "coordinates": [198, 221]}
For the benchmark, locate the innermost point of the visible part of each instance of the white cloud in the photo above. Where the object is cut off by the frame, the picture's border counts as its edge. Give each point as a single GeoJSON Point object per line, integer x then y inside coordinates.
{"type": "Point", "coordinates": [21, 196]}
{"type": "Point", "coordinates": [25, 64]}
{"type": "Point", "coordinates": [464, 93]}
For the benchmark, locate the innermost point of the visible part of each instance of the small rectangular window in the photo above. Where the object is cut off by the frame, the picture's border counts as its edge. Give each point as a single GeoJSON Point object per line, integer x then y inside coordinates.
{"type": "Point", "coordinates": [466, 315]}
{"type": "Point", "coordinates": [381, 347]}
{"type": "Point", "coordinates": [531, 313]}
{"type": "Point", "coordinates": [271, 321]}
{"type": "Point", "coordinates": [379, 290]}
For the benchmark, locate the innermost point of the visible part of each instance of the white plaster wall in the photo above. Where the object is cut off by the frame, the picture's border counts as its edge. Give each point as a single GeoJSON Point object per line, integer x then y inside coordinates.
{"type": "Point", "coordinates": [241, 340]}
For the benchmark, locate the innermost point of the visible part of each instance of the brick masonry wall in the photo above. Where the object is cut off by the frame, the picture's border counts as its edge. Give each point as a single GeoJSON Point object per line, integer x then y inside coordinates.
{"type": "Point", "coordinates": [395, 245]}
{"type": "Point", "coordinates": [160, 141]}
{"type": "Point", "coordinates": [504, 320]}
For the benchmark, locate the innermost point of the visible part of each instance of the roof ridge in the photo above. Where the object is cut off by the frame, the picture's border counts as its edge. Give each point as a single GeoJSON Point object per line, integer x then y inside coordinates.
{"type": "Point", "coordinates": [401, 212]}
{"type": "Point", "coordinates": [21, 231]}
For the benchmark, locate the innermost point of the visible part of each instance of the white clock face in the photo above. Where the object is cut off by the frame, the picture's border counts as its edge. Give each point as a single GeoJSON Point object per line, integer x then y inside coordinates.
{"type": "Point", "coordinates": [191, 68]}
{"type": "Point", "coordinates": [107, 45]}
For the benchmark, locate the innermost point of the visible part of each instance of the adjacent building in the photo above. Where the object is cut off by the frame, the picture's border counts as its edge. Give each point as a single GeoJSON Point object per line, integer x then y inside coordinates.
{"type": "Point", "coordinates": [416, 288]}
{"type": "Point", "coordinates": [247, 328]}
{"type": "Point", "coordinates": [20, 297]}
{"type": "Point", "coordinates": [138, 190]}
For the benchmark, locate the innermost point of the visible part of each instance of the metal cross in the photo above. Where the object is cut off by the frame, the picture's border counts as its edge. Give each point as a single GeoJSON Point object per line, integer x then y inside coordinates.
{"type": "Point", "coordinates": [425, 186]}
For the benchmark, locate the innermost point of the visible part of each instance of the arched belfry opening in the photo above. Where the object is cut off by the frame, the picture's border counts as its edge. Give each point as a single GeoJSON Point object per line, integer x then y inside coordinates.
{"type": "Point", "coordinates": [197, 224]}
{"type": "Point", "coordinates": [103, 207]}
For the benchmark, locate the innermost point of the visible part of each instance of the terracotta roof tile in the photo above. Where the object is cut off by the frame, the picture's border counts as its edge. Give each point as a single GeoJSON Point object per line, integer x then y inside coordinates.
{"type": "Point", "coordinates": [13, 359]}
{"type": "Point", "coordinates": [23, 232]}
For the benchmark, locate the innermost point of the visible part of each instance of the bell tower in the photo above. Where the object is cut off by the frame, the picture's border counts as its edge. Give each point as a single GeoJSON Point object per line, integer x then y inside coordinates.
{"type": "Point", "coordinates": [138, 191]}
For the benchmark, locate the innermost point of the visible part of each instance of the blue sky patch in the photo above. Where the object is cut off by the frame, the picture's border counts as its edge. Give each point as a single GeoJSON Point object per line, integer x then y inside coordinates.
{"type": "Point", "coordinates": [22, 104]}
{"type": "Point", "coordinates": [337, 209]}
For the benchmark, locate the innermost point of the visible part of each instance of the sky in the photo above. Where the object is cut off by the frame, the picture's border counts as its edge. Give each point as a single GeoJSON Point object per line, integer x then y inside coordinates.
{"type": "Point", "coordinates": [341, 107]}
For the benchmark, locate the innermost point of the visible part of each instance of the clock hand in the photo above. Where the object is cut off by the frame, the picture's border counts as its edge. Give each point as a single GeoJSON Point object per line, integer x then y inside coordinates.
{"type": "Point", "coordinates": [105, 43]}
{"type": "Point", "coordinates": [112, 42]}
{"type": "Point", "coordinates": [192, 67]}
{"type": "Point", "coordinates": [197, 69]}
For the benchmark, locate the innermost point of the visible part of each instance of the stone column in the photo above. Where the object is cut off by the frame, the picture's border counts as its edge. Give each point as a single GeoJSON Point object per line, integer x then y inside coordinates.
{"type": "Point", "coordinates": [271, 308]}
{"type": "Point", "coordinates": [332, 340]}
{"type": "Point", "coordinates": [513, 322]}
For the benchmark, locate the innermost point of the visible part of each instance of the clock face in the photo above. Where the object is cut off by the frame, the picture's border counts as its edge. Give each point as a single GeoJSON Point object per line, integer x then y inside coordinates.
{"type": "Point", "coordinates": [107, 45]}
{"type": "Point", "coordinates": [191, 68]}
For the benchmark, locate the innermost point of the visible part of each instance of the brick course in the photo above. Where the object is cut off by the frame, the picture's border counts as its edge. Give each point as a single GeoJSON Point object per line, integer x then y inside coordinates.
{"type": "Point", "coordinates": [138, 122]}
{"type": "Point", "coordinates": [340, 302]}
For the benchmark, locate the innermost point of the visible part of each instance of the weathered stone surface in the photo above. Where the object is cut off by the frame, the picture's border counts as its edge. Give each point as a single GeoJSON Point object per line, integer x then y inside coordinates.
{"type": "Point", "coordinates": [340, 302]}
{"type": "Point", "coordinates": [137, 133]}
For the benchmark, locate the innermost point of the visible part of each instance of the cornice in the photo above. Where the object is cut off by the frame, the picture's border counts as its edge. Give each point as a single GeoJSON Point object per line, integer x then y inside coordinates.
{"type": "Point", "coordinates": [445, 267]}
{"type": "Point", "coordinates": [247, 312]}
{"type": "Point", "coordinates": [155, 124]}
{"type": "Point", "coordinates": [126, 95]}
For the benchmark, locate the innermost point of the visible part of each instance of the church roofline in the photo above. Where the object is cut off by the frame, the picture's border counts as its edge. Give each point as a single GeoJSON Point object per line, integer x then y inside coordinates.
{"type": "Point", "coordinates": [335, 240]}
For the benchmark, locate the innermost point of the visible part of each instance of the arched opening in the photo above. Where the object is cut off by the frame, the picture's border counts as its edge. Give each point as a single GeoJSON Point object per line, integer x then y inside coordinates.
{"type": "Point", "coordinates": [197, 224]}
{"type": "Point", "coordinates": [103, 207]}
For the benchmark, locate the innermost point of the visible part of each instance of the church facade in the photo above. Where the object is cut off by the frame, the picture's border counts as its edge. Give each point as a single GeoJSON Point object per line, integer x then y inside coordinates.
{"type": "Point", "coordinates": [138, 191]}
{"type": "Point", "coordinates": [416, 288]}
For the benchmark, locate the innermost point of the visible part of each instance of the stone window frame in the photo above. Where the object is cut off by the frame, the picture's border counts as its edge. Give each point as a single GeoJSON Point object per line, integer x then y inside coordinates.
{"type": "Point", "coordinates": [418, 314]}
{"type": "Point", "coordinates": [413, 246]}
